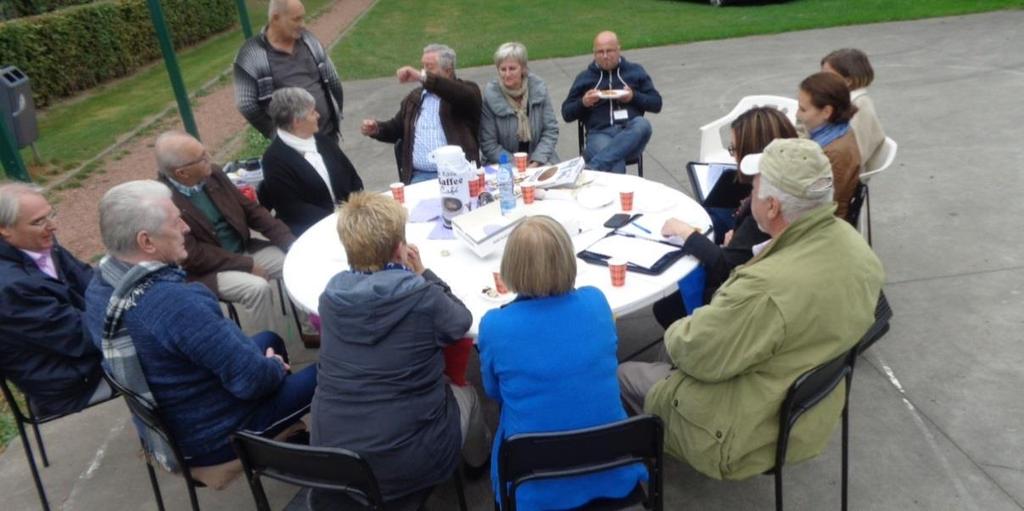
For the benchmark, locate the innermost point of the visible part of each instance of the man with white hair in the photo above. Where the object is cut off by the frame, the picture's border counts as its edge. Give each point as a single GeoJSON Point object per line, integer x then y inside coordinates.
{"type": "Point", "coordinates": [444, 110]}
{"type": "Point", "coordinates": [44, 347]}
{"type": "Point", "coordinates": [207, 378]}
{"type": "Point", "coordinates": [285, 54]}
{"type": "Point", "coordinates": [222, 254]}
{"type": "Point", "coordinates": [806, 297]}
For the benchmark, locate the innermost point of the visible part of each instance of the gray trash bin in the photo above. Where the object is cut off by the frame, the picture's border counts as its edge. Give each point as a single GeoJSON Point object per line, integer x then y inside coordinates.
{"type": "Point", "coordinates": [16, 106]}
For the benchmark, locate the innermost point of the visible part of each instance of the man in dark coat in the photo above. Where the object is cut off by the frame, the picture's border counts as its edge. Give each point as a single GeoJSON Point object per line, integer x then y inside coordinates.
{"type": "Point", "coordinates": [610, 98]}
{"type": "Point", "coordinates": [222, 254]}
{"type": "Point", "coordinates": [443, 111]}
{"type": "Point", "coordinates": [44, 348]}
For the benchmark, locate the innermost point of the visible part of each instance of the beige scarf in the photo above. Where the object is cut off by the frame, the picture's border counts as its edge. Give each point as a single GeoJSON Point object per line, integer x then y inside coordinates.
{"type": "Point", "coordinates": [520, 107]}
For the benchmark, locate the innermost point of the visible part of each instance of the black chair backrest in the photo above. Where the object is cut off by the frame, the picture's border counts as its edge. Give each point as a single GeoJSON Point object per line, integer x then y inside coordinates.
{"type": "Point", "coordinates": [324, 468]}
{"type": "Point", "coordinates": [581, 133]}
{"type": "Point", "coordinates": [883, 313]}
{"type": "Point", "coordinates": [147, 413]}
{"type": "Point", "coordinates": [528, 457]}
{"type": "Point", "coordinates": [808, 390]}
{"type": "Point", "coordinates": [856, 202]}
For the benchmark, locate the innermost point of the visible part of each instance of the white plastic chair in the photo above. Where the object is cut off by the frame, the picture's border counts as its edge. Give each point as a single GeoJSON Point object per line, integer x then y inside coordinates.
{"type": "Point", "coordinates": [714, 145]}
{"type": "Point", "coordinates": [881, 160]}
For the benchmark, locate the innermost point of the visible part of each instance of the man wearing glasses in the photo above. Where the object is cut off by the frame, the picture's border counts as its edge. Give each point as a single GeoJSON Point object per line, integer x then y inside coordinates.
{"type": "Point", "coordinates": [222, 255]}
{"type": "Point", "coordinates": [44, 348]}
{"type": "Point", "coordinates": [610, 97]}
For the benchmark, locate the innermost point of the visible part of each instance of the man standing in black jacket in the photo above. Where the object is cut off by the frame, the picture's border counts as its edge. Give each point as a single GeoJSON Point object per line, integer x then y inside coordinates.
{"type": "Point", "coordinates": [44, 348]}
{"type": "Point", "coordinates": [285, 54]}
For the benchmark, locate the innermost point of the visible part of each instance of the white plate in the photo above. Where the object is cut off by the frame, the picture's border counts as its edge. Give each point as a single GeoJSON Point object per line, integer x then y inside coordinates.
{"type": "Point", "coordinates": [505, 298]}
{"type": "Point", "coordinates": [611, 93]}
{"type": "Point", "coordinates": [595, 196]}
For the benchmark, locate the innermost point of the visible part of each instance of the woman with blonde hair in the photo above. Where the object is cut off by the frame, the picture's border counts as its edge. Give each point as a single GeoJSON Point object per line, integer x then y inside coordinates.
{"type": "Point", "coordinates": [517, 115]}
{"type": "Point", "coordinates": [549, 358]}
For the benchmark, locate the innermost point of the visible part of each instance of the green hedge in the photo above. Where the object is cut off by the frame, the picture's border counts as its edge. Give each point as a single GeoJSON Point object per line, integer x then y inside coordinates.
{"type": "Point", "coordinates": [10, 9]}
{"type": "Point", "coordinates": [77, 48]}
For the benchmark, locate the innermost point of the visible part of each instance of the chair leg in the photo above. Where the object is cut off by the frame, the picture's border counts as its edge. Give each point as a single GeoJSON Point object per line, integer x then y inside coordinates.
{"type": "Point", "coordinates": [233, 314]}
{"type": "Point", "coordinates": [280, 293]}
{"type": "Point", "coordinates": [156, 487]}
{"type": "Point", "coordinates": [778, 489]}
{"type": "Point", "coordinates": [867, 205]}
{"type": "Point", "coordinates": [191, 485]}
{"type": "Point", "coordinates": [32, 466]}
{"type": "Point", "coordinates": [846, 453]}
{"type": "Point", "coordinates": [459, 490]}
{"type": "Point", "coordinates": [35, 430]}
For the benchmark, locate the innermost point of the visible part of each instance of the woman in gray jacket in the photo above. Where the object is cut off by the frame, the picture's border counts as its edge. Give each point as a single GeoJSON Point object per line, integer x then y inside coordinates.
{"type": "Point", "coordinates": [517, 114]}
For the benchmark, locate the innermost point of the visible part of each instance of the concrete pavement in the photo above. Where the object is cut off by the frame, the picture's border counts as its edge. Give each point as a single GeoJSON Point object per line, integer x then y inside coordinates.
{"type": "Point", "coordinates": [935, 421]}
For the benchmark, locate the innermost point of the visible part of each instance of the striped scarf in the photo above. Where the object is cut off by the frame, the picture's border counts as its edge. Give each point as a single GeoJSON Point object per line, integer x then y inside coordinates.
{"type": "Point", "coordinates": [130, 283]}
{"type": "Point", "coordinates": [520, 107]}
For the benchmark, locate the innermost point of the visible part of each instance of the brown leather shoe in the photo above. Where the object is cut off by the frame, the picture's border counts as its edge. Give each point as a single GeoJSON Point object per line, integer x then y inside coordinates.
{"type": "Point", "coordinates": [311, 341]}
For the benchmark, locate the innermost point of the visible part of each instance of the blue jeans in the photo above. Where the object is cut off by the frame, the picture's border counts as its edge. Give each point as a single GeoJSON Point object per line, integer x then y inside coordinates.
{"type": "Point", "coordinates": [609, 147]}
{"type": "Point", "coordinates": [419, 175]}
{"type": "Point", "coordinates": [275, 412]}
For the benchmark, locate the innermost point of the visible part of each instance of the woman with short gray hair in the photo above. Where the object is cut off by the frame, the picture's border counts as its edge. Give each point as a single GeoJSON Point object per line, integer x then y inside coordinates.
{"type": "Point", "coordinates": [517, 115]}
{"type": "Point", "coordinates": [305, 174]}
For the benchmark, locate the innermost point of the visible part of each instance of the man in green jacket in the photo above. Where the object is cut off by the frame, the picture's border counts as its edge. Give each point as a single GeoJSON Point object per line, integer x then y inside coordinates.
{"type": "Point", "coordinates": [807, 296]}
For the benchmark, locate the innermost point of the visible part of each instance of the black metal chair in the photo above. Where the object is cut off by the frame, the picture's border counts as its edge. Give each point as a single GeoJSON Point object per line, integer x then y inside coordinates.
{"type": "Point", "coordinates": [28, 416]}
{"type": "Point", "coordinates": [581, 134]}
{"type": "Point", "coordinates": [534, 456]}
{"type": "Point", "coordinates": [147, 413]}
{"type": "Point", "coordinates": [860, 194]}
{"type": "Point", "coordinates": [806, 392]}
{"type": "Point", "coordinates": [883, 313]}
{"type": "Point", "coordinates": [324, 468]}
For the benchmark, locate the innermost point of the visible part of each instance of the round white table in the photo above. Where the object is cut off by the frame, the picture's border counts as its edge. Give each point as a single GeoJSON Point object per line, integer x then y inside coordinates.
{"type": "Point", "coordinates": [318, 254]}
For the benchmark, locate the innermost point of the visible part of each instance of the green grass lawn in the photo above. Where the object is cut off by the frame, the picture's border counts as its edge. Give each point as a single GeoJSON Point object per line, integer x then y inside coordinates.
{"type": "Point", "coordinates": [567, 27]}
{"type": "Point", "coordinates": [8, 428]}
{"type": "Point", "coordinates": [78, 129]}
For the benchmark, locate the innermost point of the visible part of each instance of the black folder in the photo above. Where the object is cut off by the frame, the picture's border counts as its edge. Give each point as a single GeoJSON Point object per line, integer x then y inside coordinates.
{"type": "Point", "coordinates": [658, 268]}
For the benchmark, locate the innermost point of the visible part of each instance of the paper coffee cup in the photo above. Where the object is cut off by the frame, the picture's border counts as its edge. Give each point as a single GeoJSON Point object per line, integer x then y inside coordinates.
{"type": "Point", "coordinates": [398, 192]}
{"type": "Point", "coordinates": [499, 284]}
{"type": "Point", "coordinates": [520, 160]}
{"type": "Point", "coordinates": [617, 268]}
{"type": "Point", "coordinates": [529, 192]}
{"type": "Point", "coordinates": [626, 200]}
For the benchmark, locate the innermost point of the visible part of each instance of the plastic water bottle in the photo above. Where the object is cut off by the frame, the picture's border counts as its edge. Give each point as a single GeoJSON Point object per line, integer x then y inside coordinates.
{"type": "Point", "coordinates": [506, 185]}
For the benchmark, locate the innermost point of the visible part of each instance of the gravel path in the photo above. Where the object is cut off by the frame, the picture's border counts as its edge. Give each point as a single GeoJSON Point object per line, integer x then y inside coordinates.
{"type": "Point", "coordinates": [218, 121]}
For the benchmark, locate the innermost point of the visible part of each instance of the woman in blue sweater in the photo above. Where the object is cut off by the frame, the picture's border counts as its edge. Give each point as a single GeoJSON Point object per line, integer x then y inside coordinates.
{"type": "Point", "coordinates": [549, 359]}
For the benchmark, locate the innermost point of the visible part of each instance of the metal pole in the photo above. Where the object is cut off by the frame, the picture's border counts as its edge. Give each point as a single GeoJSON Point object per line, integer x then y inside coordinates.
{"type": "Point", "coordinates": [10, 157]}
{"type": "Point", "coordinates": [163, 34]}
{"type": "Point", "coordinates": [243, 18]}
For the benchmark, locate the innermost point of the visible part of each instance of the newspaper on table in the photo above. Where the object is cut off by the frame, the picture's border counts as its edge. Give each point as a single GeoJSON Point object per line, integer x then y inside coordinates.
{"type": "Point", "coordinates": [563, 175]}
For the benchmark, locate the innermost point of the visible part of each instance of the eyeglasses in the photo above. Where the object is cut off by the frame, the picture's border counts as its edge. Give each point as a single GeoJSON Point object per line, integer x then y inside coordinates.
{"type": "Point", "coordinates": [205, 158]}
{"type": "Point", "coordinates": [49, 219]}
{"type": "Point", "coordinates": [732, 150]}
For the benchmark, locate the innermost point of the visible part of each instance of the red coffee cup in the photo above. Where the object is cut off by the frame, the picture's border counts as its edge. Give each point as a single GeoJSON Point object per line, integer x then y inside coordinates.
{"type": "Point", "coordinates": [617, 268]}
{"type": "Point", "coordinates": [474, 187]}
{"type": "Point", "coordinates": [528, 194]}
{"type": "Point", "coordinates": [499, 284]}
{"type": "Point", "coordinates": [398, 192]}
{"type": "Point", "coordinates": [520, 160]}
{"type": "Point", "coordinates": [482, 179]}
{"type": "Point", "coordinates": [626, 200]}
